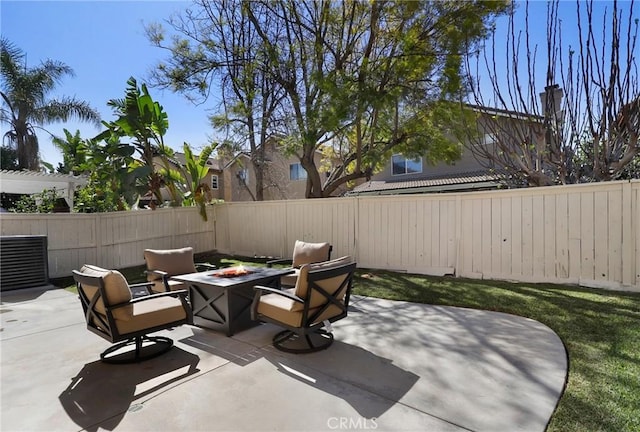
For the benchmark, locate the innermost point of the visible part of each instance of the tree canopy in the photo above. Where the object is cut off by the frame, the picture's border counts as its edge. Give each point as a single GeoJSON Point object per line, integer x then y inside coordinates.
{"type": "Point", "coordinates": [354, 80]}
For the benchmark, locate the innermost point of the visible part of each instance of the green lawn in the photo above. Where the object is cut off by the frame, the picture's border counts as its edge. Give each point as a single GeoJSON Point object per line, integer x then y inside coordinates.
{"type": "Point", "coordinates": [601, 330]}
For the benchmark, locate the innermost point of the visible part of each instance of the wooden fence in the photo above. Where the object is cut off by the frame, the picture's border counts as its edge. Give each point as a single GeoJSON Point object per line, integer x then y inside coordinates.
{"type": "Point", "coordinates": [580, 234]}
{"type": "Point", "coordinates": [111, 240]}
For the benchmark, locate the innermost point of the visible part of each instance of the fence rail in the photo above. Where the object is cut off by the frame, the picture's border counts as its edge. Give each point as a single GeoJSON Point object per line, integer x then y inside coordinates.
{"type": "Point", "coordinates": [580, 234]}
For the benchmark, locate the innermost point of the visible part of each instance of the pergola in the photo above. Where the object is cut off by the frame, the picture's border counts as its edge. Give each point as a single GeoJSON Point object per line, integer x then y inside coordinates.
{"type": "Point", "coordinates": [31, 182]}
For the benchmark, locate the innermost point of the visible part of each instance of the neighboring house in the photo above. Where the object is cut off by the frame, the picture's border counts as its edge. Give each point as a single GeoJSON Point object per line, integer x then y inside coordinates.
{"type": "Point", "coordinates": [284, 177]}
{"type": "Point", "coordinates": [409, 176]}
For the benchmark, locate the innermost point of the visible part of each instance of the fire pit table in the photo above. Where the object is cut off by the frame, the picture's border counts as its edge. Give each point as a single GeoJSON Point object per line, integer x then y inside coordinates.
{"type": "Point", "coordinates": [221, 299]}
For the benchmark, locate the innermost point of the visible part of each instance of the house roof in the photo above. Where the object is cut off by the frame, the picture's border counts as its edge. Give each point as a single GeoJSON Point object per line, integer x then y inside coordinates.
{"type": "Point", "coordinates": [455, 182]}
{"type": "Point", "coordinates": [504, 113]}
{"type": "Point", "coordinates": [211, 162]}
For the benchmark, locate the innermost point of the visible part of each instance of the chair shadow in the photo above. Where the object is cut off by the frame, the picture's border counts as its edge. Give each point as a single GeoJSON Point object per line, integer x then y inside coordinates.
{"type": "Point", "coordinates": [100, 395]}
{"type": "Point", "coordinates": [343, 370]}
{"type": "Point", "coordinates": [350, 373]}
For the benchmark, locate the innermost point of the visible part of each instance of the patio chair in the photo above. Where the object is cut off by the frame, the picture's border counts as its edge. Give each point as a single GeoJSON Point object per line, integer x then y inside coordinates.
{"type": "Point", "coordinates": [163, 264]}
{"type": "Point", "coordinates": [111, 313]}
{"type": "Point", "coordinates": [303, 253]}
{"type": "Point", "coordinates": [320, 297]}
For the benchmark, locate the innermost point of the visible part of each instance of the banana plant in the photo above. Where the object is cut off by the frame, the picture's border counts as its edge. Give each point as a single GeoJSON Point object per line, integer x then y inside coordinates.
{"type": "Point", "coordinates": [196, 170]}
{"type": "Point", "coordinates": [146, 122]}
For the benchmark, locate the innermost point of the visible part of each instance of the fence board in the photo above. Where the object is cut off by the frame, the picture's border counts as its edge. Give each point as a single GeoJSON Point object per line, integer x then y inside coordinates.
{"type": "Point", "coordinates": [537, 209]}
{"type": "Point", "coordinates": [549, 236]}
{"type": "Point", "coordinates": [427, 238]}
{"type": "Point", "coordinates": [635, 221]}
{"type": "Point", "coordinates": [496, 241]}
{"type": "Point", "coordinates": [562, 237]}
{"type": "Point", "coordinates": [516, 236]}
{"type": "Point", "coordinates": [506, 240]}
{"type": "Point", "coordinates": [587, 237]}
{"type": "Point", "coordinates": [466, 239]}
{"type": "Point", "coordinates": [486, 237]}
{"type": "Point", "coordinates": [452, 220]}
{"type": "Point", "coordinates": [615, 236]}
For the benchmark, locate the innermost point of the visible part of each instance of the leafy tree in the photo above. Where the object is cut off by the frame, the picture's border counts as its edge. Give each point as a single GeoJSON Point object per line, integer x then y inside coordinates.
{"type": "Point", "coordinates": [8, 158]}
{"type": "Point", "coordinates": [112, 176]}
{"type": "Point", "coordinates": [355, 80]}
{"type": "Point", "coordinates": [584, 127]}
{"type": "Point", "coordinates": [249, 96]}
{"type": "Point", "coordinates": [25, 102]}
{"type": "Point", "coordinates": [146, 122]}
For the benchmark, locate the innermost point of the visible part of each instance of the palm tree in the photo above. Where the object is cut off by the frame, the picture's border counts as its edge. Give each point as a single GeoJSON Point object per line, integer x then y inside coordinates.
{"type": "Point", "coordinates": [26, 105]}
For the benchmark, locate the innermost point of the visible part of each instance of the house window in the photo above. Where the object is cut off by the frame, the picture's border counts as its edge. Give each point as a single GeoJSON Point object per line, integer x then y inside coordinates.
{"type": "Point", "coordinates": [296, 172]}
{"type": "Point", "coordinates": [488, 138]}
{"type": "Point", "coordinates": [214, 182]}
{"type": "Point", "coordinates": [402, 165]}
{"type": "Point", "coordinates": [243, 176]}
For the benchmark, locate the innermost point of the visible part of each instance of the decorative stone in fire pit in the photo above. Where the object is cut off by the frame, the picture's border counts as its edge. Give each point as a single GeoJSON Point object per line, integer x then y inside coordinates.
{"type": "Point", "coordinates": [233, 272]}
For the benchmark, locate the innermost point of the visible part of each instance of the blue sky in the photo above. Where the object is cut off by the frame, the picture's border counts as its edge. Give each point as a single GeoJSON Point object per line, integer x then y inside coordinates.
{"type": "Point", "coordinates": [105, 44]}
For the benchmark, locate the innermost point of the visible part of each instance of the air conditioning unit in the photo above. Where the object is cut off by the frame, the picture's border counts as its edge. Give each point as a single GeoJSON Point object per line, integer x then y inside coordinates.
{"type": "Point", "coordinates": [23, 262]}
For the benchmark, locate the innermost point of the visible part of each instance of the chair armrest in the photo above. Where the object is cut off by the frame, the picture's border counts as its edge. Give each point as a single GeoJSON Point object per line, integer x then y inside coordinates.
{"type": "Point", "coordinates": [160, 273]}
{"type": "Point", "coordinates": [176, 293]}
{"type": "Point", "coordinates": [205, 266]}
{"type": "Point", "coordinates": [141, 284]}
{"type": "Point", "coordinates": [269, 290]}
{"type": "Point", "coordinates": [279, 261]}
{"type": "Point", "coordinates": [136, 292]}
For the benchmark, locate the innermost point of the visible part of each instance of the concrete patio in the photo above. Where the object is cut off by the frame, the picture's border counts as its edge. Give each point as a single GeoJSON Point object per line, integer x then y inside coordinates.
{"type": "Point", "coordinates": [395, 366]}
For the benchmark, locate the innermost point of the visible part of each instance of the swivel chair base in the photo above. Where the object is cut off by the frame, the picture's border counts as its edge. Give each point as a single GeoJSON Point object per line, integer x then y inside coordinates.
{"type": "Point", "coordinates": [291, 342]}
{"type": "Point", "coordinates": [118, 354]}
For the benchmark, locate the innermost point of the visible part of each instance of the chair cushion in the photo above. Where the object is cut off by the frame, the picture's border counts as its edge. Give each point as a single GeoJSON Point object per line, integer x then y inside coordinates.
{"type": "Point", "coordinates": [172, 261]}
{"type": "Point", "coordinates": [306, 253]}
{"type": "Point", "coordinates": [115, 285]}
{"type": "Point", "coordinates": [280, 309]}
{"type": "Point", "coordinates": [329, 285]}
{"type": "Point", "coordinates": [148, 314]}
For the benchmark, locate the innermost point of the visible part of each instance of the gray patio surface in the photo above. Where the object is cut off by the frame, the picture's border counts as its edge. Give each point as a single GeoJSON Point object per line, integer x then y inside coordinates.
{"type": "Point", "coordinates": [395, 366]}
